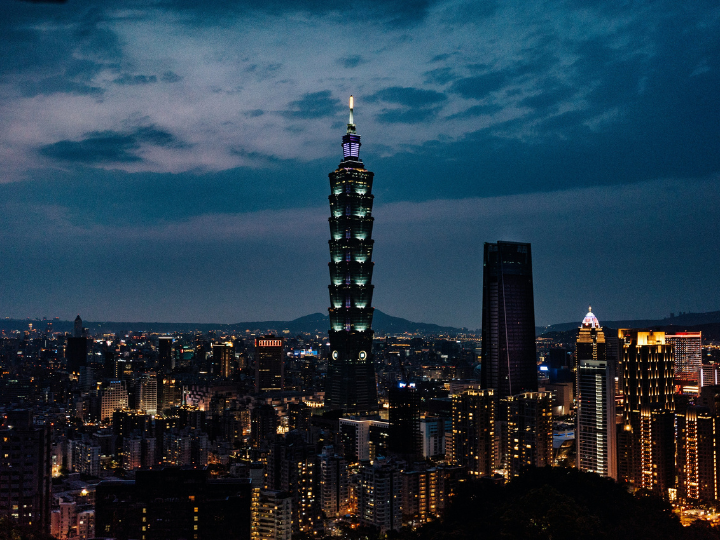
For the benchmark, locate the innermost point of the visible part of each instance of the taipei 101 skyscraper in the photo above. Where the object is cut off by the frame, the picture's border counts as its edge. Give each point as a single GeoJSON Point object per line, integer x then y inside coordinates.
{"type": "Point", "coordinates": [350, 386]}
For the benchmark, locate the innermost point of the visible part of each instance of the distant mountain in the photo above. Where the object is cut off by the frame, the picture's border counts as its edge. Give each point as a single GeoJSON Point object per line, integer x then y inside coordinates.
{"type": "Point", "coordinates": [316, 322]}
{"type": "Point", "coordinates": [677, 323]}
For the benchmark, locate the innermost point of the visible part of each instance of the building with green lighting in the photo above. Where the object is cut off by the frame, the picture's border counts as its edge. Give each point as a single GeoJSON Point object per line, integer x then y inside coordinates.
{"type": "Point", "coordinates": [350, 386]}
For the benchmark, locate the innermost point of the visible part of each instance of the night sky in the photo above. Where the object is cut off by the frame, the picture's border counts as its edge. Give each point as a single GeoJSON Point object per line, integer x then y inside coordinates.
{"type": "Point", "coordinates": [167, 160]}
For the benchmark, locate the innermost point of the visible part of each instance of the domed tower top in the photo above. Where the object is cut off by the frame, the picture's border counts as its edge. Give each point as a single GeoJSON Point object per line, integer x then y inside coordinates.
{"type": "Point", "coordinates": [590, 320]}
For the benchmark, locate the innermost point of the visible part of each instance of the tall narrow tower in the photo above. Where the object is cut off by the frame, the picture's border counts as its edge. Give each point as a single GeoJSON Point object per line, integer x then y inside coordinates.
{"type": "Point", "coordinates": [508, 320]}
{"type": "Point", "coordinates": [350, 385]}
{"type": "Point", "coordinates": [595, 432]}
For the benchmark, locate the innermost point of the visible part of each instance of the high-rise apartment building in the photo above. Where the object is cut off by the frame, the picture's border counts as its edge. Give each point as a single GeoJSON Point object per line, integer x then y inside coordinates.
{"type": "Point", "coordinates": [114, 397]}
{"type": "Point", "coordinates": [432, 435]}
{"type": "Point", "coordinates": [646, 442]}
{"type": "Point", "coordinates": [25, 463]}
{"type": "Point", "coordinates": [293, 466]}
{"type": "Point", "coordinates": [350, 385]}
{"type": "Point", "coordinates": [473, 431]}
{"type": "Point", "coordinates": [171, 502]}
{"type": "Point", "coordinates": [698, 440]}
{"type": "Point", "coordinates": [334, 496]}
{"type": "Point", "coordinates": [509, 363]}
{"type": "Point", "coordinates": [85, 457]}
{"type": "Point", "coordinates": [529, 431]}
{"type": "Point", "coordinates": [271, 515]}
{"type": "Point", "coordinates": [379, 497]}
{"type": "Point", "coordinates": [363, 439]}
{"type": "Point", "coordinates": [596, 429]}
{"type": "Point", "coordinates": [687, 347]}
{"type": "Point", "coordinates": [147, 395]}
{"type": "Point", "coordinates": [269, 364]}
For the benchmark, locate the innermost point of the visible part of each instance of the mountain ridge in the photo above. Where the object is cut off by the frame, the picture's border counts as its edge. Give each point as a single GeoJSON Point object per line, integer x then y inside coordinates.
{"type": "Point", "coordinates": [314, 322]}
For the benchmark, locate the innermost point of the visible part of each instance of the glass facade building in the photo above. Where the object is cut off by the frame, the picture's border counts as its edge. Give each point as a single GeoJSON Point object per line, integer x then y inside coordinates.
{"type": "Point", "coordinates": [596, 427]}
{"type": "Point", "coordinates": [509, 363]}
{"type": "Point", "coordinates": [350, 386]}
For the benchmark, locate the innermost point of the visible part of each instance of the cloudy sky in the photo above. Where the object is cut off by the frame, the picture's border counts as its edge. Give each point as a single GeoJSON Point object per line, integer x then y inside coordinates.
{"type": "Point", "coordinates": [167, 160]}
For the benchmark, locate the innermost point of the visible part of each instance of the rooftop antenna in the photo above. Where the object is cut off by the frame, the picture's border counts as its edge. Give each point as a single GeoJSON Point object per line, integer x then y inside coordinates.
{"type": "Point", "coordinates": [351, 122]}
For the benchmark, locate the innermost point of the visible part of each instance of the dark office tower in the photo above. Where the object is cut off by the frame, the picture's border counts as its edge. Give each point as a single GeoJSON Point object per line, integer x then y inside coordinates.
{"type": "Point", "coordinates": [269, 364]}
{"type": "Point", "coordinates": [596, 427]}
{"type": "Point", "coordinates": [263, 425]}
{"type": "Point", "coordinates": [646, 455]}
{"type": "Point", "coordinates": [509, 365]}
{"type": "Point", "coordinates": [25, 470]}
{"type": "Point", "coordinates": [78, 327]}
{"type": "Point", "coordinates": [473, 431]}
{"type": "Point", "coordinates": [223, 364]}
{"type": "Point", "coordinates": [165, 356]}
{"type": "Point", "coordinates": [350, 386]}
{"type": "Point", "coordinates": [404, 416]}
{"type": "Point", "coordinates": [76, 350]}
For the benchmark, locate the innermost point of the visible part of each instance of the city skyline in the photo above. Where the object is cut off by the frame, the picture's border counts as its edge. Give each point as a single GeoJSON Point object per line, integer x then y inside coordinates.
{"type": "Point", "coordinates": [168, 162]}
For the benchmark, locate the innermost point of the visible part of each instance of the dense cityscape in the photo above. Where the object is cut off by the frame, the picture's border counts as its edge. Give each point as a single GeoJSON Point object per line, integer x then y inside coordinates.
{"type": "Point", "coordinates": [349, 430]}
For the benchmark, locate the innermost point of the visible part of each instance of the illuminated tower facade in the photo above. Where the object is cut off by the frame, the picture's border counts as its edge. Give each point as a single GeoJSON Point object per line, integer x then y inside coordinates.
{"type": "Point", "coordinates": [687, 347]}
{"type": "Point", "coordinates": [350, 385]}
{"type": "Point", "coordinates": [596, 430]}
{"type": "Point", "coordinates": [647, 449]}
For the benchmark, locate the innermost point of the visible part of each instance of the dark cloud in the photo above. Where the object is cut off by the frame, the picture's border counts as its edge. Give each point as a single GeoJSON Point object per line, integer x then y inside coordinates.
{"type": "Point", "coordinates": [109, 146]}
{"type": "Point", "coordinates": [127, 79]}
{"type": "Point", "coordinates": [407, 115]}
{"type": "Point", "coordinates": [440, 76]}
{"type": "Point", "coordinates": [548, 97]}
{"type": "Point", "coordinates": [253, 113]}
{"type": "Point", "coordinates": [441, 57]}
{"type": "Point", "coordinates": [409, 97]}
{"type": "Point", "coordinates": [479, 86]}
{"type": "Point", "coordinates": [476, 110]}
{"type": "Point", "coordinates": [398, 13]}
{"type": "Point", "coordinates": [315, 105]}
{"type": "Point", "coordinates": [98, 147]}
{"type": "Point", "coordinates": [59, 84]}
{"type": "Point", "coordinates": [170, 77]}
{"type": "Point", "coordinates": [415, 104]}
{"type": "Point", "coordinates": [473, 11]}
{"type": "Point", "coordinates": [351, 61]}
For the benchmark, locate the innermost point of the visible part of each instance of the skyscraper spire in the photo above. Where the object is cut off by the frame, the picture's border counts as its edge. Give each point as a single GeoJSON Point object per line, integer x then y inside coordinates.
{"type": "Point", "coordinates": [350, 384]}
{"type": "Point", "coordinates": [351, 121]}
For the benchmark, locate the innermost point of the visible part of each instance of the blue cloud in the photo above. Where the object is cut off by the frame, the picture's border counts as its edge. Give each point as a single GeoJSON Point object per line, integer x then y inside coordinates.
{"type": "Point", "coordinates": [127, 79]}
{"type": "Point", "coordinates": [101, 147]}
{"type": "Point", "coordinates": [315, 105]}
{"type": "Point", "coordinates": [407, 115]}
{"type": "Point", "coordinates": [408, 97]}
{"type": "Point", "coordinates": [479, 86]}
{"type": "Point", "coordinates": [59, 84]}
{"type": "Point", "coordinates": [170, 77]}
{"type": "Point", "coordinates": [351, 61]}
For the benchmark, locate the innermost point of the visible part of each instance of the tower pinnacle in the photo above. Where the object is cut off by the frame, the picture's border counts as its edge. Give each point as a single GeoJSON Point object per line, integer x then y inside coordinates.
{"type": "Point", "coordinates": [351, 121]}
